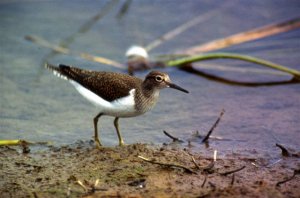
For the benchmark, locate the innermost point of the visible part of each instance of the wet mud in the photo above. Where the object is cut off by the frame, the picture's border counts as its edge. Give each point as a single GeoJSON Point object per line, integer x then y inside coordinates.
{"type": "Point", "coordinates": [81, 170]}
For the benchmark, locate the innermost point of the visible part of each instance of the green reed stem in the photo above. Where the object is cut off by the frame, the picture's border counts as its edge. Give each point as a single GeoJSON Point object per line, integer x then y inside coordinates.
{"type": "Point", "coordinates": [258, 61]}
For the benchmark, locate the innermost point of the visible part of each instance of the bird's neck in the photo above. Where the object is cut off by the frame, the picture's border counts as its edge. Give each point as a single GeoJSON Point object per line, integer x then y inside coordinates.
{"type": "Point", "coordinates": [148, 90]}
{"type": "Point", "coordinates": [147, 98]}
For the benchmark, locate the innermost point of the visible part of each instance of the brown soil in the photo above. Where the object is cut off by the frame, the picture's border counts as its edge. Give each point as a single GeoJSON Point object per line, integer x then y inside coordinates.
{"type": "Point", "coordinates": [57, 172]}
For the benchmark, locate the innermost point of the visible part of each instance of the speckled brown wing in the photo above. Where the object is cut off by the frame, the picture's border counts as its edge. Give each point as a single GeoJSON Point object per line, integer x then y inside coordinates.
{"type": "Point", "coordinates": [107, 85]}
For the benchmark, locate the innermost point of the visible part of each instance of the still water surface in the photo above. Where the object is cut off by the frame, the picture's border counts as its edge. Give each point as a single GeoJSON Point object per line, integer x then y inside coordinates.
{"type": "Point", "coordinates": [37, 106]}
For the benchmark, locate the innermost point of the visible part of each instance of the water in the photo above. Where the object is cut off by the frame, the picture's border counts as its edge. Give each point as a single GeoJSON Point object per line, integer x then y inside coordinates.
{"type": "Point", "coordinates": [37, 106]}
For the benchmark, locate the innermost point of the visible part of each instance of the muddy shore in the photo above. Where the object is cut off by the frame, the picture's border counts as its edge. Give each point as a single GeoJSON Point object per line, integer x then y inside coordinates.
{"type": "Point", "coordinates": [81, 170]}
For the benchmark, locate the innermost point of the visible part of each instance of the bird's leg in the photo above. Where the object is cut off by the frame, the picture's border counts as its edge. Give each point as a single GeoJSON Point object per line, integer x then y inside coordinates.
{"type": "Point", "coordinates": [97, 141]}
{"type": "Point", "coordinates": [121, 142]}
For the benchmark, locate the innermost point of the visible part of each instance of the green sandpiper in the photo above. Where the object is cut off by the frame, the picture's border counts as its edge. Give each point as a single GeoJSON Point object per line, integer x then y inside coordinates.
{"type": "Point", "coordinates": [115, 94]}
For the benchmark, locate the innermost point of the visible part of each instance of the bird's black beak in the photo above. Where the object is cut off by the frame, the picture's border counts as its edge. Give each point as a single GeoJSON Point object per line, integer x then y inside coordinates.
{"type": "Point", "coordinates": [171, 85]}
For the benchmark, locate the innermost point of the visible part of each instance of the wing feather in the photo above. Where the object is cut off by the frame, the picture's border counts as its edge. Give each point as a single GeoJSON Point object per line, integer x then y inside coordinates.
{"type": "Point", "coordinates": [108, 85]}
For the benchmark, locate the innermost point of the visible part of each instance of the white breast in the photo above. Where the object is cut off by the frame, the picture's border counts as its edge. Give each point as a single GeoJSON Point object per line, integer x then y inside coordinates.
{"type": "Point", "coordinates": [122, 107]}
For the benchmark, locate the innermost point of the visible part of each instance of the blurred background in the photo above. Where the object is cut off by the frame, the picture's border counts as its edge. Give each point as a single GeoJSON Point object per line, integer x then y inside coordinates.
{"type": "Point", "coordinates": [37, 106]}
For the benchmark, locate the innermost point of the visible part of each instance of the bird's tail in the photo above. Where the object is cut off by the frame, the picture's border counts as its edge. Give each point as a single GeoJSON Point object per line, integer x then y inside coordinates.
{"type": "Point", "coordinates": [57, 71]}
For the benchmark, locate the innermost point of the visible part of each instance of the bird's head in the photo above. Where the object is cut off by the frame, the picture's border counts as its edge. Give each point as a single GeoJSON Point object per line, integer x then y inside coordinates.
{"type": "Point", "coordinates": [160, 80]}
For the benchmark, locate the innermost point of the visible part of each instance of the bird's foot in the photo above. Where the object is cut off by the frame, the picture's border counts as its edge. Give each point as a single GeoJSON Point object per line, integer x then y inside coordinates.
{"type": "Point", "coordinates": [98, 144]}
{"type": "Point", "coordinates": [121, 143]}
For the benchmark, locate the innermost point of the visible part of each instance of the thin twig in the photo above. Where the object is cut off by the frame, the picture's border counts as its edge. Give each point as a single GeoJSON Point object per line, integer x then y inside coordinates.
{"type": "Point", "coordinates": [209, 167]}
{"type": "Point", "coordinates": [232, 179]}
{"type": "Point", "coordinates": [175, 139]}
{"type": "Point", "coordinates": [204, 181]}
{"type": "Point", "coordinates": [272, 164]}
{"type": "Point", "coordinates": [296, 172]}
{"type": "Point", "coordinates": [82, 185]}
{"type": "Point", "coordinates": [124, 9]}
{"type": "Point", "coordinates": [44, 43]}
{"type": "Point", "coordinates": [232, 171]}
{"type": "Point", "coordinates": [205, 139]}
{"type": "Point", "coordinates": [180, 29]}
{"type": "Point", "coordinates": [83, 28]}
{"type": "Point", "coordinates": [188, 170]}
{"type": "Point", "coordinates": [215, 155]}
{"type": "Point", "coordinates": [284, 151]}
{"type": "Point", "coordinates": [219, 138]}
{"type": "Point", "coordinates": [194, 161]}
{"type": "Point", "coordinates": [89, 187]}
{"type": "Point", "coordinates": [242, 37]}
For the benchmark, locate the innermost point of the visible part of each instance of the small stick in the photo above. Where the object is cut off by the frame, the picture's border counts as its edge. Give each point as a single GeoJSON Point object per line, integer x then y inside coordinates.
{"type": "Point", "coordinates": [272, 164]}
{"type": "Point", "coordinates": [44, 43]}
{"type": "Point", "coordinates": [185, 26]}
{"type": "Point", "coordinates": [232, 179]}
{"type": "Point", "coordinates": [188, 170]}
{"type": "Point", "coordinates": [82, 185]}
{"type": "Point", "coordinates": [96, 182]}
{"type": "Point", "coordinates": [233, 171]}
{"type": "Point", "coordinates": [124, 9]}
{"type": "Point", "coordinates": [215, 155]}
{"type": "Point", "coordinates": [205, 139]}
{"type": "Point", "coordinates": [204, 182]}
{"type": "Point", "coordinates": [82, 29]}
{"type": "Point", "coordinates": [257, 166]}
{"type": "Point", "coordinates": [296, 172]}
{"type": "Point", "coordinates": [175, 139]}
{"type": "Point", "coordinates": [209, 168]}
{"type": "Point", "coordinates": [242, 37]}
{"type": "Point", "coordinates": [284, 151]}
{"type": "Point", "coordinates": [194, 161]}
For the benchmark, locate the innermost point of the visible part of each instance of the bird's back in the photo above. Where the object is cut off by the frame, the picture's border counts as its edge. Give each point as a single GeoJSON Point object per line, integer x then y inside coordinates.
{"type": "Point", "coordinates": [107, 85]}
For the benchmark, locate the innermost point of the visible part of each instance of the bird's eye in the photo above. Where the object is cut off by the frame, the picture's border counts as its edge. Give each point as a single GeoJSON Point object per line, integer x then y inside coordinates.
{"type": "Point", "coordinates": [158, 78]}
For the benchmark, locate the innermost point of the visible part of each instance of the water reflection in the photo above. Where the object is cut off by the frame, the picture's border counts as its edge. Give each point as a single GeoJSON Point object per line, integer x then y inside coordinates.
{"type": "Point", "coordinates": [219, 79]}
{"type": "Point", "coordinates": [50, 110]}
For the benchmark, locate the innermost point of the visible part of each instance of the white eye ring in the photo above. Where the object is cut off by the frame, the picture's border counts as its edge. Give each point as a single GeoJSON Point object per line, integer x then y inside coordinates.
{"type": "Point", "coordinates": [158, 78]}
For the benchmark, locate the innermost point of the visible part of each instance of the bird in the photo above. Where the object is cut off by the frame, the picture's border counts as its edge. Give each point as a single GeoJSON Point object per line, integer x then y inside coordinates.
{"type": "Point", "coordinates": [115, 94]}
